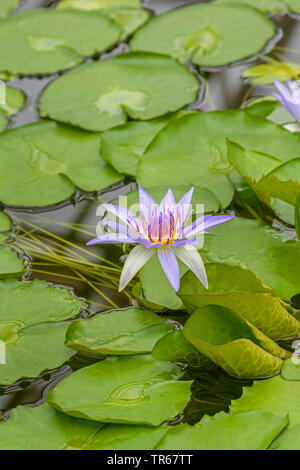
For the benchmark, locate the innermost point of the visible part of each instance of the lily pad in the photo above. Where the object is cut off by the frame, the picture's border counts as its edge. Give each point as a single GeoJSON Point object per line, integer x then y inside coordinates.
{"type": "Point", "coordinates": [41, 163]}
{"type": "Point", "coordinates": [290, 369]}
{"type": "Point", "coordinates": [45, 41]}
{"type": "Point", "coordinates": [121, 332]}
{"type": "Point", "coordinates": [288, 440]}
{"type": "Point", "coordinates": [12, 101]}
{"type": "Point", "coordinates": [31, 327]}
{"type": "Point", "coordinates": [276, 395]}
{"type": "Point", "coordinates": [128, 389]}
{"type": "Point", "coordinates": [271, 109]}
{"type": "Point", "coordinates": [44, 428]}
{"type": "Point", "coordinates": [232, 343]}
{"type": "Point", "coordinates": [10, 262]}
{"type": "Point", "coordinates": [29, 351]}
{"type": "Point", "coordinates": [193, 149]}
{"type": "Point", "coordinates": [175, 347]}
{"type": "Point", "coordinates": [267, 252]}
{"type": "Point", "coordinates": [5, 222]}
{"type": "Point", "coordinates": [241, 291]}
{"type": "Point", "coordinates": [134, 85]}
{"type": "Point", "coordinates": [208, 35]}
{"type": "Point", "coordinates": [244, 431]}
{"type": "Point", "coordinates": [7, 6]}
{"type": "Point", "coordinates": [267, 6]}
{"type": "Point", "coordinates": [34, 302]}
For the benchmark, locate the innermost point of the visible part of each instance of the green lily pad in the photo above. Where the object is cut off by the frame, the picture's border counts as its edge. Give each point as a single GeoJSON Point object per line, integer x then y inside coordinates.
{"type": "Point", "coordinates": [11, 102]}
{"type": "Point", "coordinates": [244, 431]}
{"type": "Point", "coordinates": [193, 149]}
{"type": "Point", "coordinates": [34, 302]}
{"type": "Point", "coordinates": [267, 252]}
{"type": "Point", "coordinates": [123, 87]}
{"type": "Point", "coordinates": [270, 108]}
{"type": "Point", "coordinates": [41, 163]}
{"type": "Point", "coordinates": [128, 389]}
{"type": "Point", "coordinates": [232, 343]}
{"type": "Point", "coordinates": [45, 41]}
{"type": "Point", "coordinates": [241, 291]}
{"type": "Point", "coordinates": [267, 6]}
{"type": "Point", "coordinates": [297, 216]}
{"type": "Point", "coordinates": [29, 351]}
{"type": "Point", "coordinates": [44, 428]}
{"type": "Point", "coordinates": [209, 35]}
{"type": "Point", "coordinates": [10, 262]}
{"type": "Point", "coordinates": [175, 347]}
{"type": "Point", "coordinates": [30, 327]}
{"type": "Point", "coordinates": [276, 395]}
{"type": "Point", "coordinates": [7, 6]}
{"type": "Point", "coordinates": [121, 332]}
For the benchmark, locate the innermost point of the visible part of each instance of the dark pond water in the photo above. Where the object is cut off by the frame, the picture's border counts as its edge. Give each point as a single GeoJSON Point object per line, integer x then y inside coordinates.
{"type": "Point", "coordinates": [213, 389]}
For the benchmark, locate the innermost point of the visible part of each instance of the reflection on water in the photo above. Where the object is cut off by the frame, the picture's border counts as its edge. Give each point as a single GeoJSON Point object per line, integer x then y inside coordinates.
{"type": "Point", "coordinates": [213, 388]}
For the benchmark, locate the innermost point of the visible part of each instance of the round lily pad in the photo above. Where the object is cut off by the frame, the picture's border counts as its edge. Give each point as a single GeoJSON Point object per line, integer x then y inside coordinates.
{"type": "Point", "coordinates": [98, 4]}
{"type": "Point", "coordinates": [134, 85]}
{"type": "Point", "coordinates": [31, 331]}
{"type": "Point", "coordinates": [208, 35]}
{"type": "Point", "coordinates": [40, 164]}
{"type": "Point", "coordinates": [45, 41]}
{"type": "Point", "coordinates": [193, 149]}
{"type": "Point", "coordinates": [128, 389]}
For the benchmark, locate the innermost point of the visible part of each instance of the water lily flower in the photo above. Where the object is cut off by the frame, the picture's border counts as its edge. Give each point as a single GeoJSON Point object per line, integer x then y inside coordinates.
{"type": "Point", "coordinates": [289, 96]}
{"type": "Point", "coordinates": [162, 230]}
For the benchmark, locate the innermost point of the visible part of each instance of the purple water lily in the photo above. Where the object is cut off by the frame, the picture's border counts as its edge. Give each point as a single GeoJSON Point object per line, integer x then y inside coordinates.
{"type": "Point", "coordinates": [289, 96]}
{"type": "Point", "coordinates": [160, 229]}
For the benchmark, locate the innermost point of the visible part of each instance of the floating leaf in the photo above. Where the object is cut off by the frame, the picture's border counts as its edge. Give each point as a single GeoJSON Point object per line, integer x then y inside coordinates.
{"type": "Point", "coordinates": [44, 428]}
{"type": "Point", "coordinates": [29, 303]}
{"type": "Point", "coordinates": [297, 216]}
{"type": "Point", "coordinates": [30, 327]}
{"type": "Point", "coordinates": [270, 108]}
{"type": "Point", "coordinates": [134, 85]}
{"type": "Point", "coordinates": [10, 263]}
{"type": "Point", "coordinates": [7, 6]}
{"type": "Point", "coordinates": [241, 291]}
{"type": "Point", "coordinates": [267, 252]}
{"type": "Point", "coordinates": [193, 149]}
{"type": "Point", "coordinates": [128, 389]}
{"type": "Point", "coordinates": [288, 440]}
{"type": "Point", "coordinates": [243, 431]}
{"type": "Point", "coordinates": [41, 163]}
{"type": "Point", "coordinates": [174, 347]}
{"type": "Point", "coordinates": [12, 101]}
{"type": "Point", "coordinates": [121, 332]}
{"type": "Point", "coordinates": [268, 6]}
{"type": "Point", "coordinates": [209, 35]}
{"type": "Point", "coordinates": [45, 41]}
{"type": "Point", "coordinates": [232, 343]}
{"type": "Point", "coordinates": [275, 395]}
{"type": "Point", "coordinates": [31, 350]}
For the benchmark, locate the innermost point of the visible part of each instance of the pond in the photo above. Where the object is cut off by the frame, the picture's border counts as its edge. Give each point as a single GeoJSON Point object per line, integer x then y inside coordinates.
{"type": "Point", "coordinates": [239, 340]}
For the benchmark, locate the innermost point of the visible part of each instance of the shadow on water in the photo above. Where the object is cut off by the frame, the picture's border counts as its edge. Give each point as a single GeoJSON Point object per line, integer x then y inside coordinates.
{"type": "Point", "coordinates": [213, 388]}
